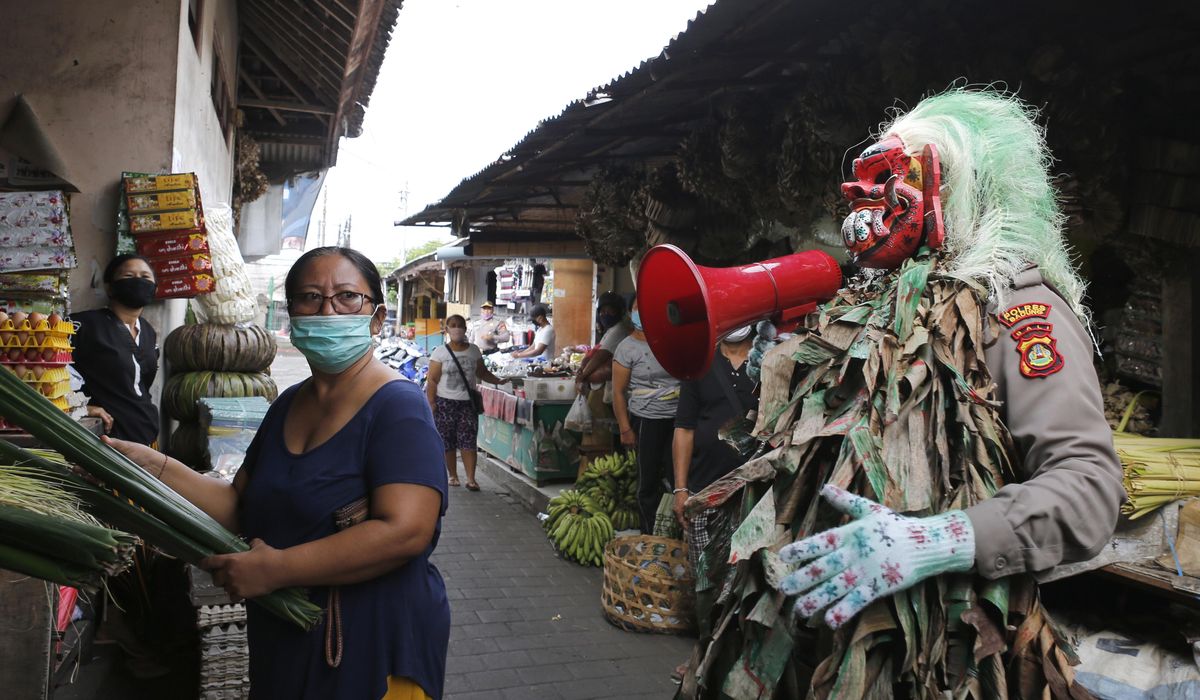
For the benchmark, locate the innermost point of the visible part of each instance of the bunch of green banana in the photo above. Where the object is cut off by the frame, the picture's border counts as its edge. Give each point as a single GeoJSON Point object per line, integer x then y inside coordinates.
{"type": "Point", "coordinates": [624, 518]}
{"type": "Point", "coordinates": [578, 527]}
{"type": "Point", "coordinates": [569, 501]}
{"type": "Point", "coordinates": [584, 537]}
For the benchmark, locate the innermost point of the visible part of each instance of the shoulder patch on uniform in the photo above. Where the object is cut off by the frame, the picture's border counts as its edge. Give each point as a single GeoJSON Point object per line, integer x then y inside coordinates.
{"type": "Point", "coordinates": [1038, 350]}
{"type": "Point", "coordinates": [1021, 312]}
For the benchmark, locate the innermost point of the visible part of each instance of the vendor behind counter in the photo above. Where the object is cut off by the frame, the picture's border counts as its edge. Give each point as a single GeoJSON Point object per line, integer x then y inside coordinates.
{"type": "Point", "coordinates": [542, 348]}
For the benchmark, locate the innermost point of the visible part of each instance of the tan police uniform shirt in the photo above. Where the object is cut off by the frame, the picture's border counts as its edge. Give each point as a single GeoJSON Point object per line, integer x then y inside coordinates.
{"type": "Point", "coordinates": [488, 334]}
{"type": "Point", "coordinates": [1066, 508]}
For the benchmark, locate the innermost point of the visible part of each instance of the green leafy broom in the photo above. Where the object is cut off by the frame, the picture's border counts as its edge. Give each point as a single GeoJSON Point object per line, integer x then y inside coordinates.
{"type": "Point", "coordinates": [45, 534]}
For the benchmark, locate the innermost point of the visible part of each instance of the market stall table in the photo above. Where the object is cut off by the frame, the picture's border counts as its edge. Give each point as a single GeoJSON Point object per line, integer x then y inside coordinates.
{"type": "Point", "coordinates": [527, 433]}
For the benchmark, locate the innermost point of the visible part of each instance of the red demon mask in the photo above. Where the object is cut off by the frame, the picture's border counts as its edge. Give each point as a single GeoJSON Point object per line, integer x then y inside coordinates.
{"type": "Point", "coordinates": [894, 204]}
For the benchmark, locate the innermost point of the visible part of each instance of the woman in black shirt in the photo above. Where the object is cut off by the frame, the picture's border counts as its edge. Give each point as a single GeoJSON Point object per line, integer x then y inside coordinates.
{"type": "Point", "coordinates": [116, 352]}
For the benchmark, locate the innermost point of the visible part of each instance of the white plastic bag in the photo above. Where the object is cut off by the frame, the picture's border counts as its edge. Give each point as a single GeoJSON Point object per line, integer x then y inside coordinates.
{"type": "Point", "coordinates": [233, 299]}
{"type": "Point", "coordinates": [579, 418]}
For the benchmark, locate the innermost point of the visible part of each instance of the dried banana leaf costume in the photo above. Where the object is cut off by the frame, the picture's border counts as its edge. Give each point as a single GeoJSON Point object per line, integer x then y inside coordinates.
{"type": "Point", "coordinates": [958, 377]}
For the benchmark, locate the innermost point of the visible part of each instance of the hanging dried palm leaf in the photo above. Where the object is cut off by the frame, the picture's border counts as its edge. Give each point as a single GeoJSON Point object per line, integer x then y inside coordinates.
{"type": "Point", "coordinates": [612, 215]}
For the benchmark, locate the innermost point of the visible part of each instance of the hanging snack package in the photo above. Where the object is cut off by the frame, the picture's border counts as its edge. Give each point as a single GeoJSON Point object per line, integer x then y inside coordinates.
{"type": "Point", "coordinates": [185, 286]}
{"type": "Point", "coordinates": [166, 219]}
{"type": "Point", "coordinates": [138, 184]}
{"type": "Point", "coordinates": [172, 244]}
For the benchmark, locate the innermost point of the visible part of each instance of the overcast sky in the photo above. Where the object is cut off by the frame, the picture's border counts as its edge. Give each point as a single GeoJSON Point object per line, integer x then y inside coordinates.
{"type": "Point", "coordinates": [465, 80]}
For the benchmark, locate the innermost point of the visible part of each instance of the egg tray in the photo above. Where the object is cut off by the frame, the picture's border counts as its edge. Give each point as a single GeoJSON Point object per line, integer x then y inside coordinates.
{"type": "Point", "coordinates": [42, 326]}
{"type": "Point", "coordinates": [56, 391]}
{"type": "Point", "coordinates": [10, 340]}
{"type": "Point", "coordinates": [57, 358]}
{"type": "Point", "coordinates": [61, 358]}
{"type": "Point", "coordinates": [50, 376]}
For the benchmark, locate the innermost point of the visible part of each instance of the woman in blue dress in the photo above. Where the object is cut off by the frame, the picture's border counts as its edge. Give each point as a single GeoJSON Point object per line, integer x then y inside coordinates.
{"type": "Point", "coordinates": [353, 431]}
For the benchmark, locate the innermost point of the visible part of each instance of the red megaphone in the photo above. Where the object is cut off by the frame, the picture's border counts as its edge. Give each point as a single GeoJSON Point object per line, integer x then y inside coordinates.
{"type": "Point", "coordinates": [686, 308]}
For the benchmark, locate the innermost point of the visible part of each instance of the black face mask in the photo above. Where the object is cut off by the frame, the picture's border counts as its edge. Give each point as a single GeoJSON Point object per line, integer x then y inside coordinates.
{"type": "Point", "coordinates": [134, 292]}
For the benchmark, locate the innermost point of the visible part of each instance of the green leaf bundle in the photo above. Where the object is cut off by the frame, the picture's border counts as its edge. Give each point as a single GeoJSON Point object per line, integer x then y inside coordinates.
{"type": "Point", "coordinates": [175, 524]}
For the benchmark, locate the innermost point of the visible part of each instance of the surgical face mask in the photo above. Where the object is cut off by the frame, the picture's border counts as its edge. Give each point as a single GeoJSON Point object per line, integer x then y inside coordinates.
{"type": "Point", "coordinates": [608, 320]}
{"type": "Point", "coordinates": [636, 318]}
{"type": "Point", "coordinates": [486, 315]}
{"type": "Point", "coordinates": [456, 334]}
{"type": "Point", "coordinates": [332, 343]}
{"type": "Point", "coordinates": [134, 292]}
{"type": "Point", "coordinates": [739, 335]}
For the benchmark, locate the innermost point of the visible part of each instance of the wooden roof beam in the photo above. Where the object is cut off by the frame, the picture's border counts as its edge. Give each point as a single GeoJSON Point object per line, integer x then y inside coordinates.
{"type": "Point", "coordinates": [362, 39]}
{"type": "Point", "coordinates": [316, 36]}
{"type": "Point", "coordinates": [334, 15]}
{"type": "Point", "coordinates": [261, 95]}
{"type": "Point", "coordinates": [264, 54]}
{"type": "Point", "coordinates": [285, 106]}
{"type": "Point", "coordinates": [275, 40]}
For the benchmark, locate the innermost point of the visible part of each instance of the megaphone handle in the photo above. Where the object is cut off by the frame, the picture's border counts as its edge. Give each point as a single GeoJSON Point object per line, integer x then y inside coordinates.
{"type": "Point", "coordinates": [796, 313]}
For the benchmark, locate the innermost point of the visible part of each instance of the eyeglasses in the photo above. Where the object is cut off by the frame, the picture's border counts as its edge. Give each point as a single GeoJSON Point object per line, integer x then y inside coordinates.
{"type": "Point", "coordinates": [307, 303]}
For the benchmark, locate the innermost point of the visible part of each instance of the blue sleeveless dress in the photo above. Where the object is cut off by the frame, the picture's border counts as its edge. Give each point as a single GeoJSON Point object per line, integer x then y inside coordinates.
{"type": "Point", "coordinates": [397, 624]}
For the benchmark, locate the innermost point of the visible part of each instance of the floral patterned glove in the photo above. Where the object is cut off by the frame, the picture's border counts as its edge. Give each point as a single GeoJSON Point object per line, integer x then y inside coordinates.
{"type": "Point", "coordinates": [877, 554]}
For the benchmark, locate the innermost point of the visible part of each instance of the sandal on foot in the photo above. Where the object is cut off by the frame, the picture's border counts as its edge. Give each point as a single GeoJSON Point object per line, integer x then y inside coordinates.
{"type": "Point", "coordinates": [679, 672]}
{"type": "Point", "coordinates": [472, 486]}
{"type": "Point", "coordinates": [454, 481]}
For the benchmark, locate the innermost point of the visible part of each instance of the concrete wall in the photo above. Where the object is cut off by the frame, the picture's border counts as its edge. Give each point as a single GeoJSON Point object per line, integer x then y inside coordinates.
{"type": "Point", "coordinates": [100, 75]}
{"type": "Point", "coordinates": [122, 85]}
{"type": "Point", "coordinates": [199, 144]}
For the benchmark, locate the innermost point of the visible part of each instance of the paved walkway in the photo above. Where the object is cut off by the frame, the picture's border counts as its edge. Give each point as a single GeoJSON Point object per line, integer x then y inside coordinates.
{"type": "Point", "coordinates": [527, 624]}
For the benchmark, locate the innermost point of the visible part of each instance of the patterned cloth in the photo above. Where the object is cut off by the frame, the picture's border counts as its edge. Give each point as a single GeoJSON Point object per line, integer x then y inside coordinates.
{"type": "Point", "coordinates": [698, 538]}
{"type": "Point", "coordinates": [457, 423]}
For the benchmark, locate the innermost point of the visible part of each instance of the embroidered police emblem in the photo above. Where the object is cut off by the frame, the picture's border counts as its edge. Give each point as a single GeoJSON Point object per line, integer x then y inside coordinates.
{"type": "Point", "coordinates": [1038, 350]}
{"type": "Point", "coordinates": [1022, 312]}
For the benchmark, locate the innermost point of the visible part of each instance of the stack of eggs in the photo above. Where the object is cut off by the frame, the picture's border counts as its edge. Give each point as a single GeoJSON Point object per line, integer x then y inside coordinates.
{"type": "Point", "coordinates": [37, 348]}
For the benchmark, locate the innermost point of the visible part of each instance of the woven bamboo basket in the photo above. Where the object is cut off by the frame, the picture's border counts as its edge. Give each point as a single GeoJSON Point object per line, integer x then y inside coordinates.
{"type": "Point", "coordinates": [648, 586]}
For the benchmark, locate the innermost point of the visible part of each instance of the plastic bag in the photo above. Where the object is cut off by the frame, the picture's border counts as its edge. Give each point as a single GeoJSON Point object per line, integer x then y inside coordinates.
{"type": "Point", "coordinates": [579, 418]}
{"type": "Point", "coordinates": [233, 300]}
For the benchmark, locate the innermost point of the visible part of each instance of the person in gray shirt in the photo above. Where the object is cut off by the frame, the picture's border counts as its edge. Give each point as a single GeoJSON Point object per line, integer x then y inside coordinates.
{"type": "Point", "coordinates": [645, 398]}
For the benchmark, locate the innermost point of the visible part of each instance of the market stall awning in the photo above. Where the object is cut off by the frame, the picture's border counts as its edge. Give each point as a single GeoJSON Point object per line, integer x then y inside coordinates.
{"type": "Point", "coordinates": [416, 267]}
{"type": "Point", "coordinates": [306, 71]}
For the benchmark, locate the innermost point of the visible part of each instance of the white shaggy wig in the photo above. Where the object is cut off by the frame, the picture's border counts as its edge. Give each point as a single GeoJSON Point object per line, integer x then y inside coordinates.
{"type": "Point", "coordinates": [1001, 211]}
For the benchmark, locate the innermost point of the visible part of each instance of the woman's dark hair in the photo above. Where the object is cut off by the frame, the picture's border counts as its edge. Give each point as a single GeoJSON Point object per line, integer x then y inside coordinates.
{"type": "Point", "coordinates": [365, 267]}
{"type": "Point", "coordinates": [456, 317]}
{"type": "Point", "coordinates": [110, 271]}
